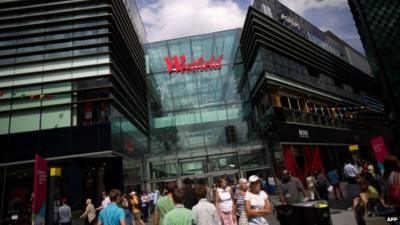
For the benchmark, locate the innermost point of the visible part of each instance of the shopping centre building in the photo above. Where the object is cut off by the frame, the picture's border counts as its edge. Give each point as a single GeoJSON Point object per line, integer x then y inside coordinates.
{"type": "Point", "coordinates": [198, 126]}
{"type": "Point", "coordinates": [80, 86]}
{"type": "Point", "coordinates": [312, 95]}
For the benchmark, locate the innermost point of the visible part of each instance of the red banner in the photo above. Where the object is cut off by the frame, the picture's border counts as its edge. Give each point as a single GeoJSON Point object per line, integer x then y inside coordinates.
{"type": "Point", "coordinates": [39, 191]}
{"type": "Point", "coordinates": [379, 147]}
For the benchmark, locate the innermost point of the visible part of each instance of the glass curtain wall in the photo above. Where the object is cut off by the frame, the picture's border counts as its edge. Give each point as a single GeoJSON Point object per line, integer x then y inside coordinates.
{"type": "Point", "coordinates": [195, 113]}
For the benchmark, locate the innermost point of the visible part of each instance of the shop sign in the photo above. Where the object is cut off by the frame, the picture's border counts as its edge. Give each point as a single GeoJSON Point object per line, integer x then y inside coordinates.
{"type": "Point", "coordinates": [304, 134]}
{"type": "Point", "coordinates": [178, 64]}
{"type": "Point", "coordinates": [291, 23]}
{"type": "Point", "coordinates": [353, 147]}
{"type": "Point", "coordinates": [55, 172]}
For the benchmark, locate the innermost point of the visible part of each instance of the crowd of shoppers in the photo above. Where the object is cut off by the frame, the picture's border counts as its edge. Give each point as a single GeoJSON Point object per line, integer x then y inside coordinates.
{"type": "Point", "coordinates": [378, 196]}
{"type": "Point", "coordinates": [246, 202]}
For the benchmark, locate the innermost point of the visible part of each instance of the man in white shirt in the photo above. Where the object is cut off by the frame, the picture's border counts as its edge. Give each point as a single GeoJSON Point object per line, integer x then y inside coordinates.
{"type": "Point", "coordinates": [154, 196]}
{"type": "Point", "coordinates": [105, 202]}
{"type": "Point", "coordinates": [272, 185]}
{"type": "Point", "coordinates": [64, 213]}
{"type": "Point", "coordinates": [204, 212]}
{"type": "Point", "coordinates": [350, 172]}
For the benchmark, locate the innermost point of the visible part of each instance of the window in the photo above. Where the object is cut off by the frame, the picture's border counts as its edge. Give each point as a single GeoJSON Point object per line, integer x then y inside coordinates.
{"type": "Point", "coordinates": [85, 72]}
{"type": "Point", "coordinates": [58, 75]}
{"type": "Point", "coordinates": [5, 71]}
{"type": "Point", "coordinates": [319, 109]}
{"type": "Point", "coordinates": [28, 97]}
{"type": "Point", "coordinates": [22, 121]}
{"type": "Point", "coordinates": [54, 99]}
{"type": "Point", "coordinates": [5, 122]}
{"type": "Point", "coordinates": [29, 68]}
{"type": "Point", "coordinates": [84, 61]}
{"type": "Point", "coordinates": [56, 117]}
{"type": "Point", "coordinates": [284, 101]}
{"type": "Point", "coordinates": [59, 45]}
{"type": "Point", "coordinates": [5, 105]}
{"type": "Point", "coordinates": [6, 82]}
{"type": "Point", "coordinates": [326, 112]}
{"type": "Point", "coordinates": [56, 87]}
{"type": "Point", "coordinates": [93, 112]}
{"type": "Point", "coordinates": [28, 79]}
{"type": "Point", "coordinates": [291, 102]}
{"type": "Point", "coordinates": [294, 103]}
{"type": "Point", "coordinates": [60, 64]}
{"type": "Point", "coordinates": [54, 55]}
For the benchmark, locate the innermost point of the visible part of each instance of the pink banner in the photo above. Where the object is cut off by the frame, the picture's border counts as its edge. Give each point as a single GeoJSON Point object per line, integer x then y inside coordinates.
{"type": "Point", "coordinates": [39, 191]}
{"type": "Point", "coordinates": [379, 147]}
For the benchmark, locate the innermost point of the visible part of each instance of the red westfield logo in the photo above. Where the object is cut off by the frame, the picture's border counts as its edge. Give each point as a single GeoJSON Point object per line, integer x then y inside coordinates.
{"type": "Point", "coordinates": [177, 64]}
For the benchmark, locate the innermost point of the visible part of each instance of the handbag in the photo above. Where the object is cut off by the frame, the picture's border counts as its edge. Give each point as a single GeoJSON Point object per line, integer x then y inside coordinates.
{"type": "Point", "coordinates": [243, 218]}
{"type": "Point", "coordinates": [394, 190]}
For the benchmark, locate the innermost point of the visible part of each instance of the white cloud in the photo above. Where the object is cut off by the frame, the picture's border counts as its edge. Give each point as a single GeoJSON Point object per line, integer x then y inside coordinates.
{"type": "Point", "coordinates": [166, 19]}
{"type": "Point", "coordinates": [300, 6]}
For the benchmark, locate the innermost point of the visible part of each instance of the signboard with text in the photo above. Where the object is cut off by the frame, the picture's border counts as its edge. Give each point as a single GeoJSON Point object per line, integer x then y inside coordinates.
{"type": "Point", "coordinates": [39, 191]}
{"type": "Point", "coordinates": [380, 150]}
{"type": "Point", "coordinates": [178, 64]}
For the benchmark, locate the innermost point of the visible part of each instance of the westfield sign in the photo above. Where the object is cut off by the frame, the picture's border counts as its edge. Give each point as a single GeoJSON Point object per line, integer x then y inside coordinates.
{"type": "Point", "coordinates": [178, 64]}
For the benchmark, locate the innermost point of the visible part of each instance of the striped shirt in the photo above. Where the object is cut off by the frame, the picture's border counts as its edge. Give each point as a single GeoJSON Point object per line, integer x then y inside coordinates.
{"type": "Point", "coordinates": [239, 197]}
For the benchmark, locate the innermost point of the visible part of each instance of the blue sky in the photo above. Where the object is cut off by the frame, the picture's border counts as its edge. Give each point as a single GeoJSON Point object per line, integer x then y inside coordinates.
{"type": "Point", "coordinates": [166, 19]}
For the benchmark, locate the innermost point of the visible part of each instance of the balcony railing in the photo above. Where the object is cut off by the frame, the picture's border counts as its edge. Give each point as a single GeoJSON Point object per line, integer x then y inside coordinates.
{"type": "Point", "coordinates": [315, 82]}
{"type": "Point", "coordinates": [285, 115]}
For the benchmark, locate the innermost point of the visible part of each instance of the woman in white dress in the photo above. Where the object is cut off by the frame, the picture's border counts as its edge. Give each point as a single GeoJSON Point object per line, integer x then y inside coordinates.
{"type": "Point", "coordinates": [224, 203]}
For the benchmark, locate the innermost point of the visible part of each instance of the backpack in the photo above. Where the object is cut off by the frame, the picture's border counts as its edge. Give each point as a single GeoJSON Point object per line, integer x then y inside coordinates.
{"type": "Point", "coordinates": [394, 191]}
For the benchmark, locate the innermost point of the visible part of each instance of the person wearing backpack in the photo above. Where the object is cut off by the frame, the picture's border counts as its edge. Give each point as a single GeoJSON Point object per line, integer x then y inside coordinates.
{"type": "Point", "coordinates": [391, 179]}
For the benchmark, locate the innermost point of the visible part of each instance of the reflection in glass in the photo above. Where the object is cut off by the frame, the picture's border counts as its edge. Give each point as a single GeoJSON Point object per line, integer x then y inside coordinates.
{"type": "Point", "coordinates": [56, 117]}
{"type": "Point", "coordinates": [27, 120]}
{"type": "Point", "coordinates": [197, 112]}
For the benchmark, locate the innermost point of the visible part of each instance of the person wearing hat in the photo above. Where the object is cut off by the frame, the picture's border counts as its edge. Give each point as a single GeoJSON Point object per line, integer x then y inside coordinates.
{"type": "Point", "coordinates": [136, 208]}
{"type": "Point", "coordinates": [65, 213]}
{"type": "Point", "coordinates": [256, 202]}
{"type": "Point", "coordinates": [290, 189]}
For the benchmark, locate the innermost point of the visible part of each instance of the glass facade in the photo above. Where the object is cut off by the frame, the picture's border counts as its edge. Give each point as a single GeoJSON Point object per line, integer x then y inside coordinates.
{"type": "Point", "coordinates": [378, 25]}
{"type": "Point", "coordinates": [279, 12]}
{"type": "Point", "coordinates": [273, 64]}
{"type": "Point", "coordinates": [197, 114]}
{"type": "Point", "coordinates": [67, 94]}
{"type": "Point", "coordinates": [41, 61]}
{"type": "Point", "coordinates": [56, 75]}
